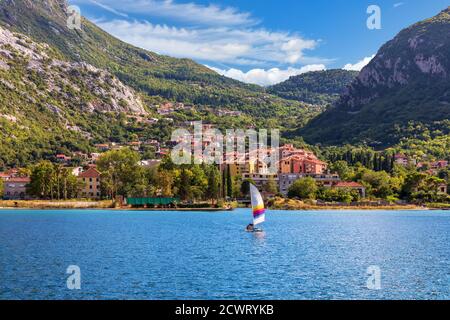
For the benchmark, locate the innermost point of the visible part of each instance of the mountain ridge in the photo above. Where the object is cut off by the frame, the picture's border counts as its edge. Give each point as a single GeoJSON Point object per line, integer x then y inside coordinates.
{"type": "Point", "coordinates": [406, 82]}
{"type": "Point", "coordinates": [316, 87]}
{"type": "Point", "coordinates": [80, 93]}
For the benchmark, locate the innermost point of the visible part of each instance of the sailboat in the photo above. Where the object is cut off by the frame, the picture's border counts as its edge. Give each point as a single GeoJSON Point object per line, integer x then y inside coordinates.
{"type": "Point", "coordinates": [259, 212]}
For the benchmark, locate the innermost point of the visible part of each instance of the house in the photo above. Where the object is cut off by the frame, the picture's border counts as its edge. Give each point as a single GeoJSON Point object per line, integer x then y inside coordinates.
{"type": "Point", "coordinates": [150, 163]}
{"type": "Point", "coordinates": [302, 164]}
{"type": "Point", "coordinates": [298, 161]}
{"type": "Point", "coordinates": [401, 159]}
{"type": "Point", "coordinates": [442, 188]}
{"type": "Point", "coordinates": [63, 158]}
{"type": "Point", "coordinates": [260, 179]}
{"type": "Point", "coordinates": [5, 176]}
{"type": "Point", "coordinates": [152, 121]}
{"type": "Point", "coordinates": [134, 145]}
{"type": "Point", "coordinates": [77, 171]}
{"type": "Point", "coordinates": [90, 180]}
{"type": "Point", "coordinates": [286, 180]}
{"type": "Point", "coordinates": [80, 155]}
{"type": "Point", "coordinates": [166, 109]}
{"type": "Point", "coordinates": [151, 143]}
{"type": "Point", "coordinates": [229, 113]}
{"type": "Point", "coordinates": [351, 185]}
{"type": "Point", "coordinates": [440, 164]}
{"type": "Point", "coordinates": [94, 156]}
{"type": "Point", "coordinates": [15, 188]}
{"type": "Point", "coordinates": [102, 146]}
{"type": "Point", "coordinates": [11, 173]}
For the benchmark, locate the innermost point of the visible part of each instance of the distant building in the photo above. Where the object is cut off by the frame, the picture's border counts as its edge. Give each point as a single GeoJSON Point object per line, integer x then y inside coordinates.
{"type": "Point", "coordinates": [293, 160]}
{"type": "Point", "coordinates": [229, 113]}
{"type": "Point", "coordinates": [77, 171]}
{"type": "Point", "coordinates": [5, 176]}
{"type": "Point", "coordinates": [15, 188]}
{"type": "Point", "coordinates": [401, 159]}
{"type": "Point", "coordinates": [440, 164]}
{"type": "Point", "coordinates": [286, 180]}
{"type": "Point", "coordinates": [351, 185]}
{"type": "Point", "coordinates": [63, 158]}
{"type": "Point", "coordinates": [103, 146]}
{"type": "Point", "coordinates": [152, 120]}
{"type": "Point", "coordinates": [150, 163]}
{"type": "Point", "coordinates": [134, 145]}
{"type": "Point", "coordinates": [91, 183]}
{"type": "Point", "coordinates": [94, 156]}
{"type": "Point", "coordinates": [442, 188]}
{"type": "Point", "coordinates": [261, 179]}
{"type": "Point", "coordinates": [166, 109]}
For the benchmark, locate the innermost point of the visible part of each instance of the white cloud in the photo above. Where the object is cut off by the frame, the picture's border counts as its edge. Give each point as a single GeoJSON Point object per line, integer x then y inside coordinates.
{"type": "Point", "coordinates": [245, 46]}
{"type": "Point", "coordinates": [398, 4]}
{"type": "Point", "coordinates": [189, 12]}
{"type": "Point", "coordinates": [108, 8]}
{"type": "Point", "coordinates": [267, 77]}
{"type": "Point", "coordinates": [359, 65]}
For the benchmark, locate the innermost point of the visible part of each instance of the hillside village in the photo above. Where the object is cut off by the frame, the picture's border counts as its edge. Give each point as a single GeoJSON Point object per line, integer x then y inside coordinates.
{"type": "Point", "coordinates": [295, 165]}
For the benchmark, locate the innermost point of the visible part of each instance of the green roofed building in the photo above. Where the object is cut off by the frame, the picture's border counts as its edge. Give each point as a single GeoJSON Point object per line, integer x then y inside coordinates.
{"type": "Point", "coordinates": [152, 201]}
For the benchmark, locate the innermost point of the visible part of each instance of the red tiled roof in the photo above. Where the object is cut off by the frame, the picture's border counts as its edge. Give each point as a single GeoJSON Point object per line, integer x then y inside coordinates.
{"type": "Point", "coordinates": [90, 173]}
{"type": "Point", "coordinates": [20, 180]}
{"type": "Point", "coordinates": [350, 184]}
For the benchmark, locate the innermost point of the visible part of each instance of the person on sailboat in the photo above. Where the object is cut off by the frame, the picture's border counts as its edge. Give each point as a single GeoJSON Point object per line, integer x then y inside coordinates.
{"type": "Point", "coordinates": [250, 228]}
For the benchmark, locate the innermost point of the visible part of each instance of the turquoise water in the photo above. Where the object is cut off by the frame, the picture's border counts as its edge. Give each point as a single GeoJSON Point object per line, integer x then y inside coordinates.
{"type": "Point", "coordinates": [192, 255]}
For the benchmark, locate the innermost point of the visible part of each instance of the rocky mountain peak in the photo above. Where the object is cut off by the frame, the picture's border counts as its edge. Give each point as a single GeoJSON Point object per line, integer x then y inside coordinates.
{"type": "Point", "coordinates": [407, 81]}
{"type": "Point", "coordinates": [417, 52]}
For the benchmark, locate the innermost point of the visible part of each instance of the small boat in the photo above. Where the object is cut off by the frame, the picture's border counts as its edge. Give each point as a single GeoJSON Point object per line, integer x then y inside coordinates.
{"type": "Point", "coordinates": [259, 212]}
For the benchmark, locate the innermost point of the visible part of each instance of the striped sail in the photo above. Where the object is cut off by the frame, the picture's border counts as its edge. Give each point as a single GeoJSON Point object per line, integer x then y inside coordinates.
{"type": "Point", "coordinates": [257, 206]}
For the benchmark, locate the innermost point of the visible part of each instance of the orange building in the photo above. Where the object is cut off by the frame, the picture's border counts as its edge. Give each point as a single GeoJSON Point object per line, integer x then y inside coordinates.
{"type": "Point", "coordinates": [91, 183]}
{"type": "Point", "coordinates": [302, 164]}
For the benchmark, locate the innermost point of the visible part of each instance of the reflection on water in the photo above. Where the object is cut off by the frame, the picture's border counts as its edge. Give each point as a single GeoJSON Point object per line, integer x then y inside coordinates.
{"type": "Point", "coordinates": [192, 255]}
{"type": "Point", "coordinates": [260, 237]}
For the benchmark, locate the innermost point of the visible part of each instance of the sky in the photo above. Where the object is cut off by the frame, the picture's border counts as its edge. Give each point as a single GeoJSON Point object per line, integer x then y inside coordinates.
{"type": "Point", "coordinates": [260, 41]}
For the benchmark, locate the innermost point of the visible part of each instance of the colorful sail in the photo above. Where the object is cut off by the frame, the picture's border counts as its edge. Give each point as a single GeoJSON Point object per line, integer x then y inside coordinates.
{"type": "Point", "coordinates": [259, 212]}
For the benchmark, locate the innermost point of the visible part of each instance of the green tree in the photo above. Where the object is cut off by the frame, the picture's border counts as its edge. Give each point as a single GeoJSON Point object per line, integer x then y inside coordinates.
{"type": "Point", "coordinates": [42, 180]}
{"type": "Point", "coordinates": [120, 172]}
{"type": "Point", "coordinates": [304, 188]}
{"type": "Point", "coordinates": [245, 186]}
{"type": "Point", "coordinates": [165, 183]}
{"type": "Point", "coordinates": [213, 189]}
{"type": "Point", "coordinates": [230, 185]}
{"type": "Point", "coordinates": [184, 188]}
{"type": "Point", "coordinates": [342, 168]}
{"type": "Point", "coordinates": [271, 186]}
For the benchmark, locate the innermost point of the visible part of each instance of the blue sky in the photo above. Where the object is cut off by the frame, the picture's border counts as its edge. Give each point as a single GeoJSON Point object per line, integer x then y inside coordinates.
{"type": "Point", "coordinates": [263, 41]}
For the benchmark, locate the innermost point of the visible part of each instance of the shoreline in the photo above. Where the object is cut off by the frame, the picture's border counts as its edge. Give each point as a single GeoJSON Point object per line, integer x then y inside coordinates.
{"type": "Point", "coordinates": [107, 205]}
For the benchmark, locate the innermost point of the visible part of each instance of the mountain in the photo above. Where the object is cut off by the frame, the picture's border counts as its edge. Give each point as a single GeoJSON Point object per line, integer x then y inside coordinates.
{"type": "Point", "coordinates": [317, 87]}
{"type": "Point", "coordinates": [64, 90]}
{"type": "Point", "coordinates": [407, 83]}
{"type": "Point", "coordinates": [49, 104]}
{"type": "Point", "coordinates": [180, 80]}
